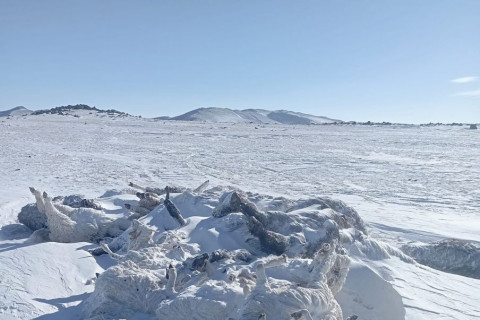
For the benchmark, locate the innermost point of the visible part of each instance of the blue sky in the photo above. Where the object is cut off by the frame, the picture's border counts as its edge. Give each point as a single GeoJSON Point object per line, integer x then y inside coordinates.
{"type": "Point", "coordinates": [351, 60]}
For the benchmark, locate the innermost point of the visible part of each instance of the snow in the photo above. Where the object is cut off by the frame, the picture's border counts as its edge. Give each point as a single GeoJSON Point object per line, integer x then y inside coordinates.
{"type": "Point", "coordinates": [259, 116]}
{"type": "Point", "coordinates": [31, 285]}
{"type": "Point", "coordinates": [17, 111]}
{"type": "Point", "coordinates": [407, 184]}
{"type": "Point", "coordinates": [366, 293]}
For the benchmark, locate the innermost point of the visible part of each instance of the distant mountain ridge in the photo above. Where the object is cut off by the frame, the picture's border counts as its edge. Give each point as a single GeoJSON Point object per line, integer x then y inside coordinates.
{"type": "Point", "coordinates": [63, 109]}
{"type": "Point", "coordinates": [209, 115]}
{"type": "Point", "coordinates": [17, 111]}
{"type": "Point", "coordinates": [218, 115]}
{"type": "Point", "coordinates": [69, 110]}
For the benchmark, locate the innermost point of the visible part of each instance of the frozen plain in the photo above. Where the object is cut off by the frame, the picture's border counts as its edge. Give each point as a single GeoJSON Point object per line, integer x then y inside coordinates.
{"type": "Point", "coordinates": [408, 184]}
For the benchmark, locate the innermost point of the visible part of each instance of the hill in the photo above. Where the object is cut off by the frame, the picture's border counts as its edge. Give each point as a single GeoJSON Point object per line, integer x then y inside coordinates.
{"type": "Point", "coordinates": [73, 109]}
{"type": "Point", "coordinates": [216, 115]}
{"type": "Point", "coordinates": [17, 111]}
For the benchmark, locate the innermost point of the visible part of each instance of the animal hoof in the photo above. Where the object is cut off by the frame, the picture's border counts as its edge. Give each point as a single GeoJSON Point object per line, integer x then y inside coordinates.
{"type": "Point", "coordinates": [326, 247]}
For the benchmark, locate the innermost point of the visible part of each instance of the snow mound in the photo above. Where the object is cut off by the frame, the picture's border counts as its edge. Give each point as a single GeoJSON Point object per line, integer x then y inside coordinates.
{"type": "Point", "coordinates": [232, 259]}
{"type": "Point", "coordinates": [454, 256]}
{"type": "Point", "coordinates": [367, 294]}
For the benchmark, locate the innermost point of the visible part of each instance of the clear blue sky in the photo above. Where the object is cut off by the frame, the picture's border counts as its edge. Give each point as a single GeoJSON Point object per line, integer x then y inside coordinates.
{"type": "Point", "coordinates": [351, 60]}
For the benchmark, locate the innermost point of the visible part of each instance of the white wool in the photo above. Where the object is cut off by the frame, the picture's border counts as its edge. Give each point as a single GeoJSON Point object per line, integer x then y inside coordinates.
{"type": "Point", "coordinates": [140, 236]}
{"type": "Point", "coordinates": [192, 308]}
{"type": "Point", "coordinates": [129, 285]}
{"type": "Point", "coordinates": [63, 229]}
{"type": "Point", "coordinates": [279, 299]}
{"type": "Point", "coordinates": [81, 224]}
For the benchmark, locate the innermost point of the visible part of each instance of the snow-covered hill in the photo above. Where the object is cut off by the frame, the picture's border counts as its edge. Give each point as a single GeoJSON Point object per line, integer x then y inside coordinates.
{"type": "Point", "coordinates": [17, 111]}
{"type": "Point", "coordinates": [81, 110]}
{"type": "Point", "coordinates": [251, 116]}
{"type": "Point", "coordinates": [78, 110]}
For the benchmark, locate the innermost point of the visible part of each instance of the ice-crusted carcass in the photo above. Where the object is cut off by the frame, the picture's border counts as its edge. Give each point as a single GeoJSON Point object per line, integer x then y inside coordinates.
{"type": "Point", "coordinates": [151, 197]}
{"type": "Point", "coordinates": [148, 202]}
{"type": "Point", "coordinates": [451, 255]}
{"type": "Point", "coordinates": [33, 215]}
{"type": "Point", "coordinates": [82, 224]}
{"type": "Point", "coordinates": [215, 265]}
{"type": "Point", "coordinates": [311, 298]}
{"type": "Point", "coordinates": [78, 220]}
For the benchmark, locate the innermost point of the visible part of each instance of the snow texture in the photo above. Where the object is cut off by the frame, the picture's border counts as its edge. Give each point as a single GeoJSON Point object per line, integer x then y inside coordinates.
{"type": "Point", "coordinates": [411, 185]}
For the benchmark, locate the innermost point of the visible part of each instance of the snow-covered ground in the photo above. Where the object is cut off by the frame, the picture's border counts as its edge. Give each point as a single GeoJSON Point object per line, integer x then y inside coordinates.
{"type": "Point", "coordinates": [407, 183]}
